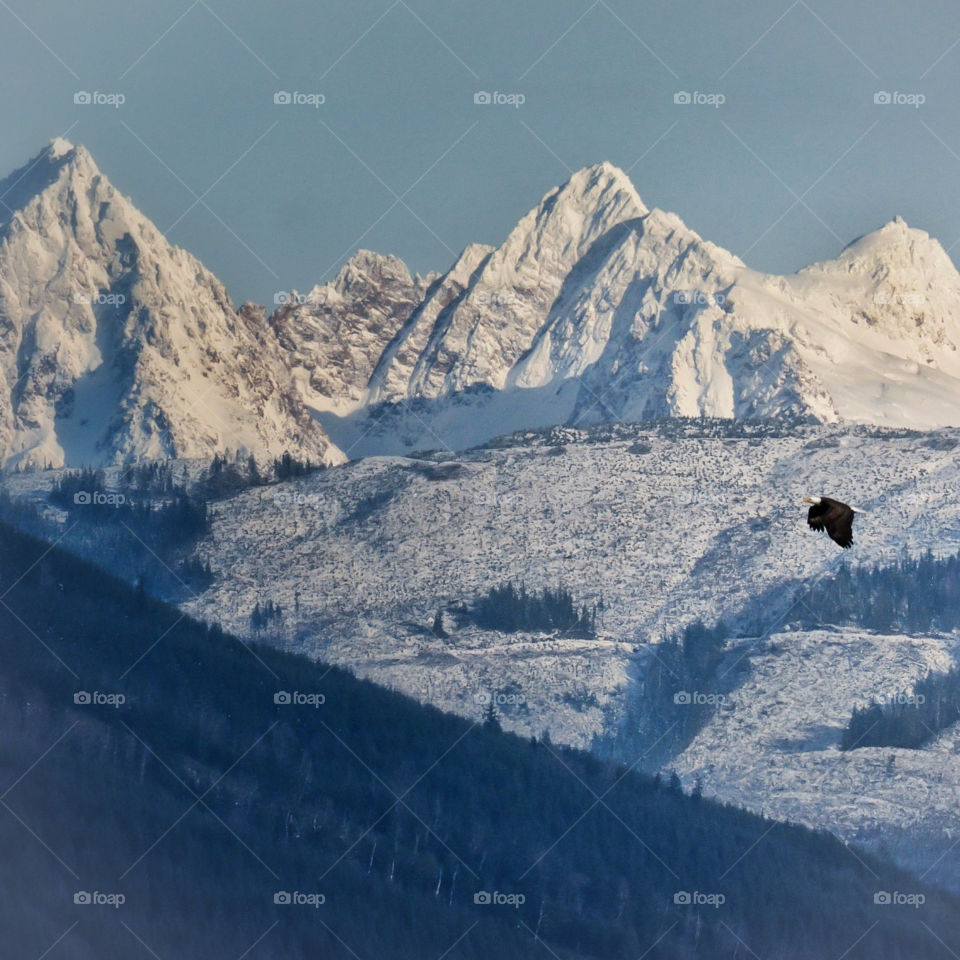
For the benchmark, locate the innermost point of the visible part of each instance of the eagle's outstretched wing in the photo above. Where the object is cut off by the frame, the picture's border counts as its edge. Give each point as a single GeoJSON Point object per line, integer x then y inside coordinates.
{"type": "Point", "coordinates": [834, 517]}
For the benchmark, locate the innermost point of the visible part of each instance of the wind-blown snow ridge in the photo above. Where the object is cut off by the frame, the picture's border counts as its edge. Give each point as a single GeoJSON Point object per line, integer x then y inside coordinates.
{"type": "Point", "coordinates": [117, 346]}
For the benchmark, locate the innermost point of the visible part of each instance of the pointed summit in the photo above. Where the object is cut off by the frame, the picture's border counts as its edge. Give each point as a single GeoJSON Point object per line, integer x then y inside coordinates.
{"type": "Point", "coordinates": [59, 146]}
{"type": "Point", "coordinates": [119, 346]}
{"type": "Point", "coordinates": [334, 337]}
{"type": "Point", "coordinates": [603, 183]}
{"type": "Point", "coordinates": [35, 176]}
{"type": "Point", "coordinates": [510, 295]}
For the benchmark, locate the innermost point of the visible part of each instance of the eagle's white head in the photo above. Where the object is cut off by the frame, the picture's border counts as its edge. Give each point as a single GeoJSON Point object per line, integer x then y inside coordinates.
{"type": "Point", "coordinates": [811, 499]}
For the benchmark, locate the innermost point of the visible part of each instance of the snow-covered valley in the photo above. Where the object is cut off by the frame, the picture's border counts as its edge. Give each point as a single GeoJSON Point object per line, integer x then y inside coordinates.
{"type": "Point", "coordinates": [669, 523]}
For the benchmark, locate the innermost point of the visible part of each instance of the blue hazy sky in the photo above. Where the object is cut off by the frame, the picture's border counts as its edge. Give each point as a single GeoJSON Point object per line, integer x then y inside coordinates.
{"type": "Point", "coordinates": [796, 162]}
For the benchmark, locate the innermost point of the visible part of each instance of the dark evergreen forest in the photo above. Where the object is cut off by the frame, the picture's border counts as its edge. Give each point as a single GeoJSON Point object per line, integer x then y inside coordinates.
{"type": "Point", "coordinates": [229, 774]}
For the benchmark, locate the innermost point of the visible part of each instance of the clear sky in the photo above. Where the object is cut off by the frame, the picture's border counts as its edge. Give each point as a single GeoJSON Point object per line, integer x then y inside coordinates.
{"type": "Point", "coordinates": [795, 162]}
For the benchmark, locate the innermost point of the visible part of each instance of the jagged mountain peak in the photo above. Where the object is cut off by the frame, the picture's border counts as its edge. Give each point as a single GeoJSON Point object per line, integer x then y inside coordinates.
{"type": "Point", "coordinates": [591, 201]}
{"type": "Point", "coordinates": [630, 312]}
{"type": "Point", "coordinates": [116, 345]}
{"type": "Point", "coordinates": [60, 159]}
{"type": "Point", "coordinates": [367, 263]}
{"type": "Point", "coordinates": [335, 335]}
{"type": "Point", "coordinates": [599, 179]}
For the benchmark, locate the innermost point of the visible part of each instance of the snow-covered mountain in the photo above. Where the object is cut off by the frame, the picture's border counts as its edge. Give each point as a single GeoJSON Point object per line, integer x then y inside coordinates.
{"type": "Point", "coordinates": [596, 307]}
{"type": "Point", "coordinates": [115, 345]}
{"type": "Point", "coordinates": [336, 334]}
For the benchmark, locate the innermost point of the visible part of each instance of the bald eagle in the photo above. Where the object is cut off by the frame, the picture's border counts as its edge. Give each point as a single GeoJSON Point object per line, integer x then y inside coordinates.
{"type": "Point", "coordinates": [834, 517]}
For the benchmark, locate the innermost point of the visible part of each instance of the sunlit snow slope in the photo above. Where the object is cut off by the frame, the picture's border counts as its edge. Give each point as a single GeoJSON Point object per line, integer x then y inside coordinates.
{"type": "Point", "coordinates": [115, 345]}
{"type": "Point", "coordinates": [596, 307]}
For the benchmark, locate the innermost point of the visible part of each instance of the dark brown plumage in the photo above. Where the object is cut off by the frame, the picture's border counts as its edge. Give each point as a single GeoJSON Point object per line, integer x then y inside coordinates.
{"type": "Point", "coordinates": [833, 516]}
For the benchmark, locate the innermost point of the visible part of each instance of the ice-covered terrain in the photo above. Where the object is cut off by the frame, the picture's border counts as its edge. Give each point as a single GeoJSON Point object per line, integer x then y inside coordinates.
{"type": "Point", "coordinates": [115, 345]}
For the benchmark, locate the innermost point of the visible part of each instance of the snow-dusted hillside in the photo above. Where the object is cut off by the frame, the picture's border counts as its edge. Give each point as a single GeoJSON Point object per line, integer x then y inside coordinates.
{"type": "Point", "coordinates": [669, 523]}
{"type": "Point", "coordinates": [596, 307]}
{"type": "Point", "coordinates": [773, 746]}
{"type": "Point", "coordinates": [115, 345]}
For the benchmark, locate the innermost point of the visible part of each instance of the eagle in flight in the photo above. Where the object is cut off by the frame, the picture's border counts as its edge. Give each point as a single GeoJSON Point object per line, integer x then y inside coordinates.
{"type": "Point", "coordinates": [833, 516]}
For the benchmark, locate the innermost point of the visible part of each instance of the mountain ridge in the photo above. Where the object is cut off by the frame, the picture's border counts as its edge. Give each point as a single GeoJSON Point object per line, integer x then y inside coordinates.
{"type": "Point", "coordinates": [121, 347]}
{"type": "Point", "coordinates": [118, 346]}
{"type": "Point", "coordinates": [613, 310]}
